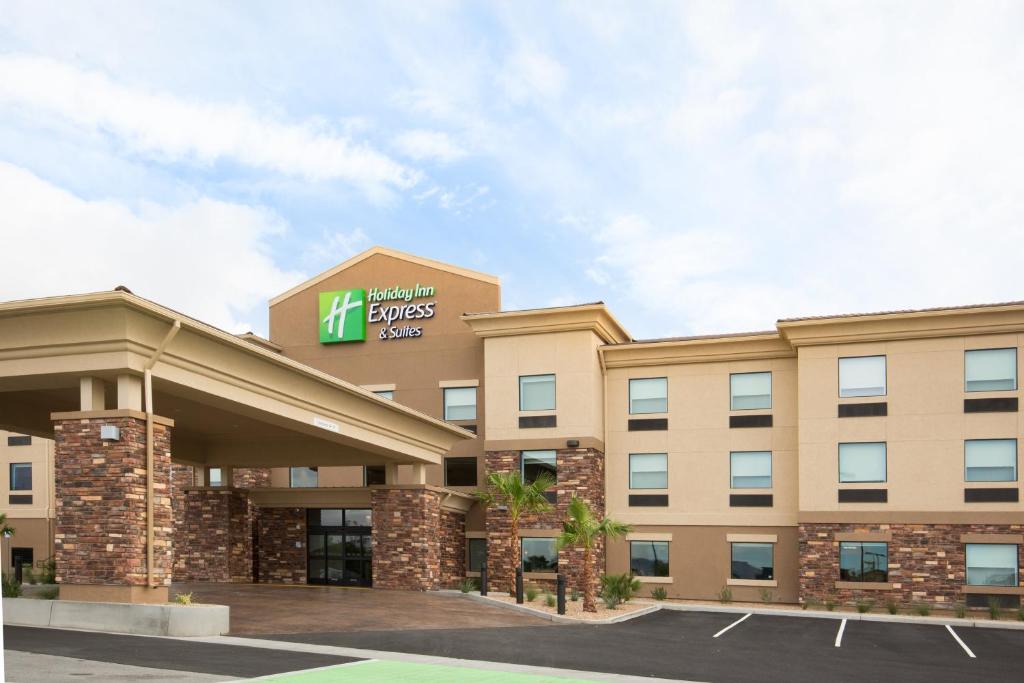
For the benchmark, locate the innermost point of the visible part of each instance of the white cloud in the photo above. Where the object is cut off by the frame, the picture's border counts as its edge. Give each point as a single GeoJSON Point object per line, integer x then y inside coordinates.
{"type": "Point", "coordinates": [167, 128]}
{"type": "Point", "coordinates": [429, 145]}
{"type": "Point", "coordinates": [206, 258]}
{"type": "Point", "coordinates": [333, 247]}
{"type": "Point", "coordinates": [531, 74]}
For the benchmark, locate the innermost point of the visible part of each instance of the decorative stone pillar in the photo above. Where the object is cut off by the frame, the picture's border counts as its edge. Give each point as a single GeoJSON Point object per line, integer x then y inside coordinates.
{"type": "Point", "coordinates": [406, 537]}
{"type": "Point", "coordinates": [215, 543]}
{"type": "Point", "coordinates": [100, 539]}
{"type": "Point", "coordinates": [453, 548]}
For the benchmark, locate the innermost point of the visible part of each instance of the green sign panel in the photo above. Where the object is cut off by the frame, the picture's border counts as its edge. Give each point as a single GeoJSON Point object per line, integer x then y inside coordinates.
{"type": "Point", "coordinates": [343, 316]}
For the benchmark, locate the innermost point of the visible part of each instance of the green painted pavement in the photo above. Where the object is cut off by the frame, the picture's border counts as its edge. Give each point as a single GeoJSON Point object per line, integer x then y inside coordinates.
{"type": "Point", "coordinates": [389, 672]}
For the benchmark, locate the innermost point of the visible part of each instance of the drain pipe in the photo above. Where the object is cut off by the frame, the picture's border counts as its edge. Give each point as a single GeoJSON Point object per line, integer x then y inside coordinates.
{"type": "Point", "coordinates": [147, 377]}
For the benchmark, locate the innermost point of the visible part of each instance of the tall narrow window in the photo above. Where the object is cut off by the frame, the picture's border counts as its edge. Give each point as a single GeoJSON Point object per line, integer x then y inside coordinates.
{"type": "Point", "coordinates": [214, 476]}
{"type": "Point", "coordinates": [648, 470]}
{"type": "Point", "coordinates": [303, 477]}
{"type": "Point", "coordinates": [648, 395]}
{"type": "Point", "coordinates": [990, 370]}
{"type": "Point", "coordinates": [648, 558]}
{"type": "Point", "coordinates": [21, 476]}
{"type": "Point", "coordinates": [750, 469]}
{"type": "Point", "coordinates": [460, 403]}
{"type": "Point", "coordinates": [990, 460]}
{"type": "Point", "coordinates": [859, 561]}
{"type": "Point", "coordinates": [753, 561]}
{"type": "Point", "coordinates": [862, 462]}
{"type": "Point", "coordinates": [991, 564]}
{"type": "Point", "coordinates": [537, 392]}
{"type": "Point", "coordinates": [750, 391]}
{"type": "Point", "coordinates": [862, 376]}
{"type": "Point", "coordinates": [477, 550]}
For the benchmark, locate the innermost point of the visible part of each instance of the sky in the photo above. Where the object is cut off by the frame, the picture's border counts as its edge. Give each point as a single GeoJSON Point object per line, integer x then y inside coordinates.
{"type": "Point", "coordinates": [701, 167]}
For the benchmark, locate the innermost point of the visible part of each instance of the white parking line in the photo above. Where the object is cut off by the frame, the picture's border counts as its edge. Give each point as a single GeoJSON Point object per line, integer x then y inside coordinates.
{"type": "Point", "coordinates": [735, 623]}
{"type": "Point", "coordinates": [962, 643]}
{"type": "Point", "coordinates": [839, 636]}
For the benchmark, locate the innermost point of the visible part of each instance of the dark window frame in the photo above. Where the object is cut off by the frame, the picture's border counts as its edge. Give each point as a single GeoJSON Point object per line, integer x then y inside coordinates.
{"type": "Point", "coordinates": [13, 478]}
{"type": "Point", "coordinates": [464, 461]}
{"type": "Point", "coordinates": [522, 554]}
{"type": "Point", "coordinates": [629, 395]}
{"type": "Point", "coordinates": [771, 389]}
{"type": "Point", "coordinates": [839, 462]}
{"type": "Point", "coordinates": [863, 576]}
{"type": "Point", "coordinates": [839, 381]}
{"type": "Point", "coordinates": [476, 404]}
{"type": "Point", "coordinates": [1016, 369]}
{"type": "Point", "coordinates": [469, 554]}
{"type": "Point", "coordinates": [666, 571]}
{"type": "Point", "coordinates": [732, 560]}
{"type": "Point", "coordinates": [554, 398]}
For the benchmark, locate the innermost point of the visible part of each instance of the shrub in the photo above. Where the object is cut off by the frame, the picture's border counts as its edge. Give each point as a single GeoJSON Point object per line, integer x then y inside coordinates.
{"type": "Point", "coordinates": [620, 587]}
{"type": "Point", "coordinates": [574, 594]}
{"type": "Point", "coordinates": [891, 606]}
{"type": "Point", "coordinates": [549, 600]}
{"type": "Point", "coordinates": [809, 602]}
{"type": "Point", "coordinates": [49, 593]}
{"type": "Point", "coordinates": [922, 609]}
{"type": "Point", "coordinates": [725, 595]}
{"type": "Point", "coordinates": [183, 598]}
{"type": "Point", "coordinates": [468, 585]}
{"type": "Point", "coordinates": [960, 609]}
{"type": "Point", "coordinates": [27, 576]}
{"type": "Point", "coordinates": [864, 606]}
{"type": "Point", "coordinates": [49, 575]}
{"type": "Point", "coordinates": [11, 587]}
{"type": "Point", "coordinates": [531, 593]}
{"type": "Point", "coordinates": [830, 605]}
{"type": "Point", "coordinates": [659, 593]}
{"type": "Point", "coordinates": [995, 610]}
{"type": "Point", "coordinates": [610, 601]}
{"type": "Point", "coordinates": [766, 595]}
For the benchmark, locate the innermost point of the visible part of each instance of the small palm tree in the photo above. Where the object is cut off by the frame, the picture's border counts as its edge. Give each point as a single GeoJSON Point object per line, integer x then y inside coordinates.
{"type": "Point", "coordinates": [582, 529]}
{"type": "Point", "coordinates": [6, 531]}
{"type": "Point", "coordinates": [508, 489]}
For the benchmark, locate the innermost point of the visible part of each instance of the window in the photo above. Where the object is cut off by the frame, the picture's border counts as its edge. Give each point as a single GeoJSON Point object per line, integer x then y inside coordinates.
{"type": "Point", "coordinates": [648, 470]}
{"type": "Point", "coordinates": [19, 440]}
{"type": "Point", "coordinates": [460, 471]}
{"type": "Point", "coordinates": [648, 395]}
{"type": "Point", "coordinates": [373, 475]}
{"type": "Point", "coordinates": [750, 391]}
{"type": "Point", "coordinates": [21, 476]}
{"type": "Point", "coordinates": [753, 561]}
{"type": "Point", "coordinates": [535, 462]}
{"type": "Point", "coordinates": [336, 517]}
{"type": "Point", "coordinates": [648, 558]}
{"type": "Point", "coordinates": [537, 392]}
{"type": "Point", "coordinates": [991, 564]}
{"type": "Point", "coordinates": [303, 477]}
{"type": "Point", "coordinates": [750, 470]}
{"type": "Point", "coordinates": [358, 517]}
{"type": "Point", "coordinates": [539, 555]}
{"type": "Point", "coordinates": [460, 403]}
{"type": "Point", "coordinates": [477, 554]}
{"type": "Point", "coordinates": [990, 460]}
{"type": "Point", "coordinates": [860, 561]}
{"type": "Point", "coordinates": [389, 394]}
{"type": "Point", "coordinates": [861, 462]}
{"type": "Point", "coordinates": [990, 370]}
{"type": "Point", "coordinates": [862, 376]}
{"type": "Point", "coordinates": [214, 476]}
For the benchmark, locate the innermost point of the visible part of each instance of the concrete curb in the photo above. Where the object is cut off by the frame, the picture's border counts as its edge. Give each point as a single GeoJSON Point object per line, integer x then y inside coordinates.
{"type": "Point", "coordinates": [557, 618]}
{"type": "Point", "coordinates": [118, 617]}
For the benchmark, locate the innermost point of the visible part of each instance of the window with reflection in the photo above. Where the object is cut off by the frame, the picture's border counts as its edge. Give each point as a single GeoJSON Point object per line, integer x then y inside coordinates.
{"type": "Point", "coordinates": [477, 549]}
{"type": "Point", "coordinates": [648, 558]}
{"type": "Point", "coordinates": [753, 561]}
{"type": "Point", "coordinates": [992, 564]}
{"type": "Point", "coordinates": [539, 555]}
{"type": "Point", "coordinates": [537, 392]}
{"type": "Point", "coordinates": [863, 561]}
{"type": "Point", "coordinates": [303, 477]}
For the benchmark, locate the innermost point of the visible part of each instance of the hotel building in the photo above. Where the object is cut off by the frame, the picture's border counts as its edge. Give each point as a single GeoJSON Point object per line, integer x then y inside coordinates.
{"type": "Point", "coordinates": [868, 456]}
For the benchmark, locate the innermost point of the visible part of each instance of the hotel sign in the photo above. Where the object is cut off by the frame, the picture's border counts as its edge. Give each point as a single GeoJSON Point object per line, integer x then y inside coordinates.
{"type": "Point", "coordinates": [393, 312]}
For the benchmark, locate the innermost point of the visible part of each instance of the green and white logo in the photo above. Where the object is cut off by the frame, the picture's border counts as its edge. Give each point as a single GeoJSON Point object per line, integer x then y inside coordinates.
{"type": "Point", "coordinates": [343, 316]}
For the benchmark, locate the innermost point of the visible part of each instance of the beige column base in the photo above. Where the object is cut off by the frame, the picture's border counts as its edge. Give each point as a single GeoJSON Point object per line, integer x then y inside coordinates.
{"type": "Point", "coordinates": [96, 593]}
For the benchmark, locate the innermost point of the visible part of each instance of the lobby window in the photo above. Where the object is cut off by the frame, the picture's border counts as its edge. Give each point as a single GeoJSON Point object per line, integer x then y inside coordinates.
{"type": "Point", "coordinates": [389, 394]}
{"type": "Point", "coordinates": [990, 460]}
{"type": "Point", "coordinates": [21, 476]}
{"type": "Point", "coordinates": [373, 475]}
{"type": "Point", "coordinates": [648, 395]}
{"type": "Point", "coordinates": [477, 549]}
{"type": "Point", "coordinates": [753, 561]}
{"type": "Point", "coordinates": [460, 471]}
{"type": "Point", "coordinates": [460, 403]}
{"type": "Point", "coordinates": [648, 470]}
{"type": "Point", "coordinates": [535, 462]}
{"type": "Point", "coordinates": [537, 392]}
{"type": "Point", "coordinates": [539, 555]}
{"type": "Point", "coordinates": [750, 469]}
{"type": "Point", "coordinates": [303, 477]}
{"type": "Point", "coordinates": [990, 370]}
{"type": "Point", "coordinates": [992, 564]}
{"type": "Point", "coordinates": [750, 391]}
{"type": "Point", "coordinates": [862, 462]}
{"type": "Point", "coordinates": [862, 376]}
{"type": "Point", "coordinates": [214, 476]}
{"type": "Point", "coordinates": [648, 558]}
{"type": "Point", "coordinates": [19, 440]}
{"type": "Point", "coordinates": [861, 561]}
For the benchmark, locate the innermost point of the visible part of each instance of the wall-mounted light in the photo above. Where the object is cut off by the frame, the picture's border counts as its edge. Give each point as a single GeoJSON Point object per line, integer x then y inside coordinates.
{"type": "Point", "coordinates": [572, 443]}
{"type": "Point", "coordinates": [110, 433]}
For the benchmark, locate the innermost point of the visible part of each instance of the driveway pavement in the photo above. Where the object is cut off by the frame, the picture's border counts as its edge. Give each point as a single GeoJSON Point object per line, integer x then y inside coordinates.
{"type": "Point", "coordinates": [263, 609]}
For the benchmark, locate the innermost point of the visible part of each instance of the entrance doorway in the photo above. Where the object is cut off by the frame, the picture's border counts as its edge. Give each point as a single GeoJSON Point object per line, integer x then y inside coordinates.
{"type": "Point", "coordinates": [19, 558]}
{"type": "Point", "coordinates": [339, 543]}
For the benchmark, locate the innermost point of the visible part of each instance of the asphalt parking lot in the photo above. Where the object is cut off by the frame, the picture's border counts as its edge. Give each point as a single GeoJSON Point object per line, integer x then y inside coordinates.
{"type": "Point", "coordinates": [683, 645]}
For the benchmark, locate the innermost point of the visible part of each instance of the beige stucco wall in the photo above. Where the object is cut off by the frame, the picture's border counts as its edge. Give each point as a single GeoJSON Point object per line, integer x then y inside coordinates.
{"type": "Point", "coordinates": [33, 524]}
{"type": "Point", "coordinates": [924, 430]}
{"type": "Point", "coordinates": [699, 441]}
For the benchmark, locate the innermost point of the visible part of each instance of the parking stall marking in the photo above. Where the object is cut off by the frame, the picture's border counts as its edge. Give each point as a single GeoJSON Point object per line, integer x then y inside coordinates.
{"type": "Point", "coordinates": [735, 623]}
{"type": "Point", "coordinates": [962, 643]}
{"type": "Point", "coordinates": [839, 636]}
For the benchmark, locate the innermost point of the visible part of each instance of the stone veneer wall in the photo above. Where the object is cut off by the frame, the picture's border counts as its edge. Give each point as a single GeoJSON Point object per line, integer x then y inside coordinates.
{"type": "Point", "coordinates": [216, 539]}
{"type": "Point", "coordinates": [251, 477]}
{"type": "Point", "coordinates": [453, 548]}
{"type": "Point", "coordinates": [279, 530]}
{"type": "Point", "coordinates": [580, 472]}
{"type": "Point", "coordinates": [100, 503]}
{"type": "Point", "coordinates": [407, 534]}
{"type": "Point", "coordinates": [182, 477]}
{"type": "Point", "coordinates": [926, 561]}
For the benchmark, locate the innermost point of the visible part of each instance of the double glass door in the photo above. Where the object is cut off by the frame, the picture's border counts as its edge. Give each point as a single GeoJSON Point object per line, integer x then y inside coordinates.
{"type": "Point", "coordinates": [340, 551]}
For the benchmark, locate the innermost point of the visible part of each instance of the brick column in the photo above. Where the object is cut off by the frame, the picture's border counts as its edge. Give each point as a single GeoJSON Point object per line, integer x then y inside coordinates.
{"type": "Point", "coordinates": [100, 527]}
{"type": "Point", "coordinates": [215, 542]}
{"type": "Point", "coordinates": [453, 548]}
{"type": "Point", "coordinates": [406, 538]}
{"type": "Point", "coordinates": [281, 548]}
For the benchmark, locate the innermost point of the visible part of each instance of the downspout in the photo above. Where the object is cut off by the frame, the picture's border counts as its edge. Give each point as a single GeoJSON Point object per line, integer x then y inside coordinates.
{"type": "Point", "coordinates": [604, 430]}
{"type": "Point", "coordinates": [147, 391]}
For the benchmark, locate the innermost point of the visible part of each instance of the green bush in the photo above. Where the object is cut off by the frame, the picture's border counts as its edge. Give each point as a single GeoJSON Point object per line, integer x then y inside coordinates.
{"type": "Point", "coordinates": [49, 593]}
{"type": "Point", "coordinates": [995, 610]}
{"type": "Point", "coordinates": [960, 609]}
{"type": "Point", "coordinates": [659, 593]}
{"type": "Point", "coordinates": [531, 593]}
{"type": "Point", "coordinates": [549, 600]}
{"type": "Point", "coordinates": [467, 585]}
{"type": "Point", "coordinates": [183, 598]}
{"type": "Point", "coordinates": [766, 595]}
{"type": "Point", "coordinates": [891, 607]}
{"type": "Point", "coordinates": [49, 575]}
{"type": "Point", "coordinates": [830, 605]}
{"type": "Point", "coordinates": [11, 587]}
{"type": "Point", "coordinates": [725, 595]}
{"type": "Point", "coordinates": [922, 609]}
{"type": "Point", "coordinates": [618, 587]}
{"type": "Point", "coordinates": [574, 594]}
{"type": "Point", "coordinates": [864, 606]}
{"type": "Point", "coordinates": [27, 576]}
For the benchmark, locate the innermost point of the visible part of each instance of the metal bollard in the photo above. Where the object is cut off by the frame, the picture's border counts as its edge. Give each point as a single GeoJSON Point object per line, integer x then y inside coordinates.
{"type": "Point", "coordinates": [519, 585]}
{"type": "Point", "coordinates": [560, 590]}
{"type": "Point", "coordinates": [483, 580]}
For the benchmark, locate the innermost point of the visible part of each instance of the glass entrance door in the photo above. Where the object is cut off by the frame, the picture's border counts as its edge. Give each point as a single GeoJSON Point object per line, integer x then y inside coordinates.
{"type": "Point", "coordinates": [340, 550]}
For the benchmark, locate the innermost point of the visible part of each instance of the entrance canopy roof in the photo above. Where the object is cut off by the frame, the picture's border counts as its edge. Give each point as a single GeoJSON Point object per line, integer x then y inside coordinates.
{"type": "Point", "coordinates": [233, 402]}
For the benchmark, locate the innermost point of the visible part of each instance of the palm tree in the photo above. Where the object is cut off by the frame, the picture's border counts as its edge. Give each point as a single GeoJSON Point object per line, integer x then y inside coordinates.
{"type": "Point", "coordinates": [6, 531]}
{"type": "Point", "coordinates": [582, 529]}
{"type": "Point", "coordinates": [509, 489]}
